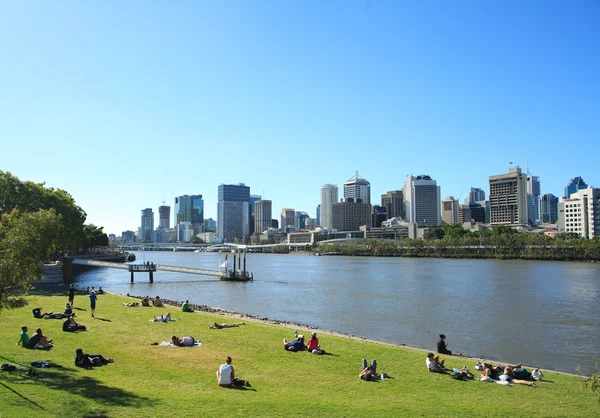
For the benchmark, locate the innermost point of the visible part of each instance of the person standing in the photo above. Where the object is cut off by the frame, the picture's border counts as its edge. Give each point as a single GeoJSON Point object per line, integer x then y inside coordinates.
{"type": "Point", "coordinates": [71, 294]}
{"type": "Point", "coordinates": [93, 298]}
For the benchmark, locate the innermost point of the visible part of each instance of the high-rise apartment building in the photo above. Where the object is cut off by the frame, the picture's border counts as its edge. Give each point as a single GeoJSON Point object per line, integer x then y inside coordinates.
{"type": "Point", "coordinates": [147, 225]}
{"type": "Point", "coordinates": [422, 200]}
{"type": "Point", "coordinates": [253, 199]}
{"type": "Point", "coordinates": [329, 196]}
{"type": "Point", "coordinates": [190, 208]}
{"type": "Point", "coordinates": [580, 213]}
{"type": "Point", "coordinates": [475, 195]}
{"type": "Point", "coordinates": [301, 219]}
{"type": "Point", "coordinates": [393, 201]}
{"type": "Point", "coordinates": [450, 210]}
{"type": "Point", "coordinates": [262, 216]}
{"type": "Point", "coordinates": [288, 219]}
{"type": "Point", "coordinates": [508, 198]}
{"type": "Point", "coordinates": [575, 184]}
{"type": "Point", "coordinates": [318, 215]}
{"type": "Point", "coordinates": [548, 208]}
{"type": "Point", "coordinates": [350, 215]}
{"type": "Point", "coordinates": [357, 188]}
{"type": "Point", "coordinates": [233, 209]}
{"type": "Point", "coordinates": [533, 197]}
{"type": "Point", "coordinates": [164, 217]}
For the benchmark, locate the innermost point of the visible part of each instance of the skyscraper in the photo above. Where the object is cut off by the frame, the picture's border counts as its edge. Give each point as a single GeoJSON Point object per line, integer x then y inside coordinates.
{"type": "Point", "coordinates": [350, 215]}
{"type": "Point", "coordinates": [233, 209]}
{"type": "Point", "coordinates": [262, 216]}
{"type": "Point", "coordinates": [253, 199]}
{"type": "Point", "coordinates": [580, 213]}
{"type": "Point", "coordinates": [378, 215]}
{"type": "Point", "coordinates": [422, 200]}
{"type": "Point", "coordinates": [450, 210]}
{"type": "Point", "coordinates": [548, 208]}
{"type": "Point", "coordinates": [393, 201]}
{"type": "Point", "coordinates": [575, 184]}
{"type": "Point", "coordinates": [288, 219]}
{"type": "Point", "coordinates": [475, 195]}
{"type": "Point", "coordinates": [533, 198]}
{"type": "Point", "coordinates": [508, 198]}
{"type": "Point", "coordinates": [147, 225]}
{"type": "Point", "coordinates": [190, 209]}
{"type": "Point", "coordinates": [357, 188]}
{"type": "Point", "coordinates": [164, 217]}
{"type": "Point", "coordinates": [329, 196]}
{"type": "Point", "coordinates": [301, 218]}
{"type": "Point", "coordinates": [318, 215]}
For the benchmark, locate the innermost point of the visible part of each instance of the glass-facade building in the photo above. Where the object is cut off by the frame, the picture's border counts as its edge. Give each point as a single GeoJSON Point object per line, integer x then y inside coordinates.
{"type": "Point", "coordinates": [233, 210]}
{"type": "Point", "coordinates": [190, 208]}
{"type": "Point", "coordinates": [575, 184]}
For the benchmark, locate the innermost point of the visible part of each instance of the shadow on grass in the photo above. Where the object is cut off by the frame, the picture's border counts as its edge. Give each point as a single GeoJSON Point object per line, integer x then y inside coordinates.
{"type": "Point", "coordinates": [21, 396]}
{"type": "Point", "coordinates": [102, 319]}
{"type": "Point", "coordinates": [49, 289]}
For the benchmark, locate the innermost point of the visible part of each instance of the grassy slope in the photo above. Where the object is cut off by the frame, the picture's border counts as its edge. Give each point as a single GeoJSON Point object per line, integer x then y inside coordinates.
{"type": "Point", "coordinates": [152, 380]}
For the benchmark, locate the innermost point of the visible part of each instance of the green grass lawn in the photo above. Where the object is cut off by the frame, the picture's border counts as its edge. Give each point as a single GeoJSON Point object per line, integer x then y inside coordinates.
{"type": "Point", "coordinates": [148, 380]}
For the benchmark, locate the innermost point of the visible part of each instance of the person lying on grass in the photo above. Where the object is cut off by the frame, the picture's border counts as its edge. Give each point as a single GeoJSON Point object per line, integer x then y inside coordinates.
{"type": "Point", "coordinates": [132, 304]}
{"type": "Point", "coordinates": [226, 376]}
{"type": "Point", "coordinates": [90, 360]}
{"type": "Point", "coordinates": [509, 376]}
{"type": "Point", "coordinates": [183, 341]}
{"type": "Point", "coordinates": [216, 325]}
{"type": "Point", "coordinates": [369, 373]}
{"type": "Point", "coordinates": [163, 318]}
{"type": "Point", "coordinates": [434, 364]}
{"type": "Point", "coordinates": [37, 313]}
{"type": "Point", "coordinates": [494, 372]}
{"type": "Point", "coordinates": [296, 345]}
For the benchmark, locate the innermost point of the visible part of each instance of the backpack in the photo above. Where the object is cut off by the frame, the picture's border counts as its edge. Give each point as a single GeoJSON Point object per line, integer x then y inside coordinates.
{"type": "Point", "coordinates": [537, 375]}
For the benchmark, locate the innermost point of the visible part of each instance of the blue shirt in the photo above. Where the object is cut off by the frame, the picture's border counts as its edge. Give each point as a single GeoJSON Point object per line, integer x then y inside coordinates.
{"type": "Point", "coordinates": [93, 299]}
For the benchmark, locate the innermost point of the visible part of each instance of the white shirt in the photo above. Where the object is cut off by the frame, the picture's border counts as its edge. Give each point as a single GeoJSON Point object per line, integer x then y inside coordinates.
{"type": "Point", "coordinates": [431, 365]}
{"type": "Point", "coordinates": [225, 374]}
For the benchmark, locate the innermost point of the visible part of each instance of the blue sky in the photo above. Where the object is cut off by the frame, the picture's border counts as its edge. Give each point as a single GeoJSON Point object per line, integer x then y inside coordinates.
{"type": "Point", "coordinates": [127, 104]}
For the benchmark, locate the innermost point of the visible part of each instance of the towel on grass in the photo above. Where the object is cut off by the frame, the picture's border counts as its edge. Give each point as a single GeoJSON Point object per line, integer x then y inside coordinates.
{"type": "Point", "coordinates": [170, 344]}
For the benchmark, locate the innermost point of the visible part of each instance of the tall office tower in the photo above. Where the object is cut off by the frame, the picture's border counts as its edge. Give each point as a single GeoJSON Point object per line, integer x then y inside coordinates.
{"type": "Point", "coordinates": [475, 195]}
{"type": "Point", "coordinates": [262, 216]}
{"type": "Point", "coordinates": [580, 213]}
{"type": "Point", "coordinates": [210, 225]}
{"type": "Point", "coordinates": [233, 209]}
{"type": "Point", "coordinates": [350, 215]}
{"type": "Point", "coordinates": [164, 217]}
{"type": "Point", "coordinates": [479, 211]}
{"type": "Point", "coordinates": [508, 198]}
{"type": "Point", "coordinates": [548, 208]}
{"type": "Point", "coordinates": [394, 203]}
{"type": "Point", "coordinates": [450, 210]}
{"type": "Point", "coordinates": [533, 197]}
{"type": "Point", "coordinates": [147, 225]}
{"type": "Point", "coordinates": [422, 200]}
{"type": "Point", "coordinates": [301, 218]}
{"type": "Point", "coordinates": [127, 236]}
{"type": "Point", "coordinates": [357, 188]}
{"type": "Point", "coordinates": [464, 213]}
{"type": "Point", "coordinates": [274, 224]}
{"type": "Point", "coordinates": [185, 231]}
{"type": "Point", "coordinates": [575, 184]}
{"type": "Point", "coordinates": [288, 219]}
{"type": "Point", "coordinates": [318, 215]}
{"type": "Point", "coordinates": [329, 196]}
{"type": "Point", "coordinates": [253, 199]}
{"type": "Point", "coordinates": [190, 208]}
{"type": "Point", "coordinates": [378, 215]}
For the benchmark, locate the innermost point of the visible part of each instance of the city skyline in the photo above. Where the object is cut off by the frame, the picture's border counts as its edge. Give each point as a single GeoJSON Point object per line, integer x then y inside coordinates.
{"type": "Point", "coordinates": [104, 99]}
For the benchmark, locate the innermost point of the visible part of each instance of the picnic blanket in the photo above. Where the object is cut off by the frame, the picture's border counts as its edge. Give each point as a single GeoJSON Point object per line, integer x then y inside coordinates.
{"type": "Point", "coordinates": [170, 344]}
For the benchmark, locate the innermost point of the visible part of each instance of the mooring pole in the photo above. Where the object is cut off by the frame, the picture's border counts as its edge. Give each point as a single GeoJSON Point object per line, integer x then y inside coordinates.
{"type": "Point", "coordinates": [240, 259]}
{"type": "Point", "coordinates": [151, 276]}
{"type": "Point", "coordinates": [131, 275]}
{"type": "Point", "coordinates": [244, 262]}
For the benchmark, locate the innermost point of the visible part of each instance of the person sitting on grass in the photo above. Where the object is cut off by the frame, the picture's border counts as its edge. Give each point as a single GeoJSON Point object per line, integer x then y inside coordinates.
{"type": "Point", "coordinates": [369, 373]}
{"type": "Point", "coordinates": [37, 313]}
{"type": "Point", "coordinates": [68, 309]}
{"type": "Point", "coordinates": [145, 301]}
{"type": "Point", "coordinates": [157, 302]}
{"type": "Point", "coordinates": [313, 344]}
{"type": "Point", "coordinates": [216, 325]}
{"type": "Point", "coordinates": [442, 346]}
{"type": "Point", "coordinates": [186, 307]}
{"type": "Point", "coordinates": [87, 361]}
{"type": "Point", "coordinates": [296, 345]}
{"type": "Point", "coordinates": [39, 340]}
{"type": "Point", "coordinates": [226, 376]}
{"type": "Point", "coordinates": [163, 318]}
{"type": "Point", "coordinates": [183, 341]}
{"type": "Point", "coordinates": [71, 326]}
{"type": "Point", "coordinates": [23, 337]}
{"type": "Point", "coordinates": [434, 364]}
{"type": "Point", "coordinates": [100, 290]}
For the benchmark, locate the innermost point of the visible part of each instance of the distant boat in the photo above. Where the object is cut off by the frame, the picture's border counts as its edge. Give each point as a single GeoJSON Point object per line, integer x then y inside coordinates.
{"type": "Point", "coordinates": [196, 251]}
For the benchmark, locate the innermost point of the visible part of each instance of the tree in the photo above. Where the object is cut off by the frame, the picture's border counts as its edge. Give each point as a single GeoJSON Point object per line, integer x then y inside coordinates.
{"type": "Point", "coordinates": [94, 237]}
{"type": "Point", "coordinates": [434, 233]}
{"type": "Point", "coordinates": [25, 240]}
{"type": "Point", "coordinates": [196, 240]}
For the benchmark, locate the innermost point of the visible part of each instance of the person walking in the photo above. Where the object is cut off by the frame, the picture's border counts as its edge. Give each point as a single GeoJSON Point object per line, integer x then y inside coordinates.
{"type": "Point", "coordinates": [93, 298]}
{"type": "Point", "coordinates": [71, 294]}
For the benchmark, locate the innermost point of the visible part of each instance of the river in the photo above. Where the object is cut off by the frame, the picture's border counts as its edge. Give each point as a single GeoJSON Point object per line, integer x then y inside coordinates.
{"type": "Point", "coordinates": [544, 314]}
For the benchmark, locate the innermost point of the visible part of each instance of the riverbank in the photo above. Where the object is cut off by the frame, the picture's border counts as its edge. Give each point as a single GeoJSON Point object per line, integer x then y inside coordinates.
{"type": "Point", "coordinates": [152, 380]}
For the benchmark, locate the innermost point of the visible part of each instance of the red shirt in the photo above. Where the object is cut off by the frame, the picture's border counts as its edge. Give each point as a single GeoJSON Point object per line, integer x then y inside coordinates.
{"type": "Point", "coordinates": [313, 343]}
